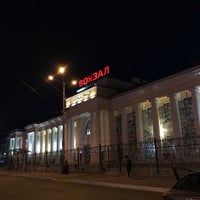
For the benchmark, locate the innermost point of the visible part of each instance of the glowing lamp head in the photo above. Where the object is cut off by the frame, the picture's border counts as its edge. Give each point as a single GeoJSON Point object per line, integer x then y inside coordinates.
{"type": "Point", "coordinates": [61, 70]}
{"type": "Point", "coordinates": [50, 77]}
{"type": "Point", "coordinates": [74, 82]}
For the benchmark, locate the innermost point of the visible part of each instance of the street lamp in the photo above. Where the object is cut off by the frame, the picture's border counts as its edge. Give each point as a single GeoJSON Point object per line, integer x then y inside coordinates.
{"type": "Point", "coordinates": [61, 71]}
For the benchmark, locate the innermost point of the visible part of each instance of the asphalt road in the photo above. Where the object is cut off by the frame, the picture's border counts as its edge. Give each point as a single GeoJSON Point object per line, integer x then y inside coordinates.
{"type": "Point", "coordinates": [23, 188]}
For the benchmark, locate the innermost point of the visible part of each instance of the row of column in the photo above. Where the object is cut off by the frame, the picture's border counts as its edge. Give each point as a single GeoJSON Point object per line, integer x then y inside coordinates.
{"type": "Point", "coordinates": [49, 140]}
{"type": "Point", "coordinates": [103, 126]}
{"type": "Point", "coordinates": [99, 130]}
{"type": "Point", "coordinates": [174, 116]}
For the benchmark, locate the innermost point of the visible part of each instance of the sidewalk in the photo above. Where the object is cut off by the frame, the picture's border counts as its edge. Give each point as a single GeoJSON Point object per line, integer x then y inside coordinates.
{"type": "Point", "coordinates": [147, 183]}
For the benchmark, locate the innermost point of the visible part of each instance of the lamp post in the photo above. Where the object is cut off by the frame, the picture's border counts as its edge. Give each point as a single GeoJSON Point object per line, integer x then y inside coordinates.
{"type": "Point", "coordinates": [61, 71]}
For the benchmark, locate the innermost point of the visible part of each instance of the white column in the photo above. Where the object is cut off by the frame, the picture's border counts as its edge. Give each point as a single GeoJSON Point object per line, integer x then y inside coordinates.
{"type": "Point", "coordinates": [156, 129]}
{"type": "Point", "coordinates": [196, 108]}
{"type": "Point", "coordinates": [15, 141]}
{"type": "Point", "coordinates": [95, 128]}
{"type": "Point", "coordinates": [58, 147]}
{"type": "Point", "coordinates": [46, 141]}
{"type": "Point", "coordinates": [105, 128]}
{"type": "Point", "coordinates": [34, 145]}
{"type": "Point", "coordinates": [139, 133]}
{"type": "Point", "coordinates": [52, 131]}
{"type": "Point", "coordinates": [40, 141]}
{"type": "Point", "coordinates": [125, 138]}
{"type": "Point", "coordinates": [64, 131]}
{"type": "Point", "coordinates": [112, 127]}
{"type": "Point", "coordinates": [36, 141]}
{"type": "Point", "coordinates": [138, 110]}
{"type": "Point", "coordinates": [59, 137]}
{"type": "Point", "coordinates": [69, 135]}
{"type": "Point", "coordinates": [73, 141]}
{"type": "Point", "coordinates": [76, 128]}
{"type": "Point", "coordinates": [55, 139]}
{"type": "Point", "coordinates": [79, 129]}
{"type": "Point", "coordinates": [92, 129]}
{"type": "Point", "coordinates": [175, 115]}
{"type": "Point", "coordinates": [102, 129]}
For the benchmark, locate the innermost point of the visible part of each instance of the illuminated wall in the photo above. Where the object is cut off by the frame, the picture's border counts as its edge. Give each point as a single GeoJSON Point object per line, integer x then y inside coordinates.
{"type": "Point", "coordinates": [38, 139]}
{"type": "Point", "coordinates": [164, 109]}
{"type": "Point", "coordinates": [12, 145]}
{"type": "Point", "coordinates": [165, 121]}
{"type": "Point", "coordinates": [49, 141]}
{"type": "Point", "coordinates": [186, 114]}
{"type": "Point", "coordinates": [60, 136]}
{"type": "Point", "coordinates": [54, 138]}
{"type": "Point", "coordinates": [147, 120]}
{"type": "Point", "coordinates": [131, 124]}
{"type": "Point", "coordinates": [43, 142]}
{"type": "Point", "coordinates": [30, 142]}
{"type": "Point", "coordinates": [81, 97]}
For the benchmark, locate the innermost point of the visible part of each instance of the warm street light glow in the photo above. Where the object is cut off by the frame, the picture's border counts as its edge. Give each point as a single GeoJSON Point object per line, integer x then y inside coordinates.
{"type": "Point", "coordinates": [61, 70]}
{"type": "Point", "coordinates": [74, 82]}
{"type": "Point", "coordinates": [50, 77]}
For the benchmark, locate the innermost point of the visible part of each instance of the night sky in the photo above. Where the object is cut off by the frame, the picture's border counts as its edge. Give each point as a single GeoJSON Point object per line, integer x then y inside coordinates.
{"type": "Point", "coordinates": [146, 40]}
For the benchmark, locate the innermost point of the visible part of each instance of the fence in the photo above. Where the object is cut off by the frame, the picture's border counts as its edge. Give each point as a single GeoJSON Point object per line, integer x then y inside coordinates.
{"type": "Point", "coordinates": [149, 157]}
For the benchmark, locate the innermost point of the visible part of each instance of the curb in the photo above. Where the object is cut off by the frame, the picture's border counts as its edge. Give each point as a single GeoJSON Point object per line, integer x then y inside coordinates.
{"type": "Point", "coordinates": [97, 183]}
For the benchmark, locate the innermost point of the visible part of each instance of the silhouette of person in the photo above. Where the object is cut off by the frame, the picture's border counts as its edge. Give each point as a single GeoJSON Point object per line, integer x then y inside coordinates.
{"type": "Point", "coordinates": [128, 166]}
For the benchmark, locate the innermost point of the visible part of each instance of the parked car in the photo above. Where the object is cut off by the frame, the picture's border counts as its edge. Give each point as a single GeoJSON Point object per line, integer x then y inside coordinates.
{"type": "Point", "coordinates": [186, 188]}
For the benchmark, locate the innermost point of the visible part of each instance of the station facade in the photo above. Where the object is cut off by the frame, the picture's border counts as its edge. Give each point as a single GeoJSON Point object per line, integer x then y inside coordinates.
{"type": "Point", "coordinates": [111, 112]}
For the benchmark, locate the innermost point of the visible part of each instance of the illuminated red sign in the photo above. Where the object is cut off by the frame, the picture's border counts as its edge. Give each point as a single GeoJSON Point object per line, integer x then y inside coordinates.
{"type": "Point", "coordinates": [95, 76]}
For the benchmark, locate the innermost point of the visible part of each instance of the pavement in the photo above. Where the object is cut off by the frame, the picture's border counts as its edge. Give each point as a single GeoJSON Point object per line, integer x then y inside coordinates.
{"type": "Point", "coordinates": [146, 183]}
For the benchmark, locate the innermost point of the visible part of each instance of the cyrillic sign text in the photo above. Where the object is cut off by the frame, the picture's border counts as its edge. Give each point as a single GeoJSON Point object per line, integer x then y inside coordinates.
{"type": "Point", "coordinates": [96, 75]}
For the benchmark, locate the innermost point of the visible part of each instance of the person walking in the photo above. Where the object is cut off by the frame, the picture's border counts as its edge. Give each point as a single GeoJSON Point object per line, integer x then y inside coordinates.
{"type": "Point", "coordinates": [66, 168]}
{"type": "Point", "coordinates": [128, 166]}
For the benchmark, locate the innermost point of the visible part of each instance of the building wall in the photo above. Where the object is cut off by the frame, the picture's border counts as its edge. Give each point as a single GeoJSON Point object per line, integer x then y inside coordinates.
{"type": "Point", "coordinates": [168, 108]}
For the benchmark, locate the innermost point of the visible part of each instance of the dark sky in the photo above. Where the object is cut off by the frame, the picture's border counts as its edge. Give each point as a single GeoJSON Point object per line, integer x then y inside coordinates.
{"type": "Point", "coordinates": [146, 40]}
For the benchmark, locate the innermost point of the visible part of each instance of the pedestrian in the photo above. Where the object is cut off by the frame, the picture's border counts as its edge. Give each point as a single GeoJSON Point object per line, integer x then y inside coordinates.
{"type": "Point", "coordinates": [128, 166]}
{"type": "Point", "coordinates": [66, 168]}
{"type": "Point", "coordinates": [75, 166]}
